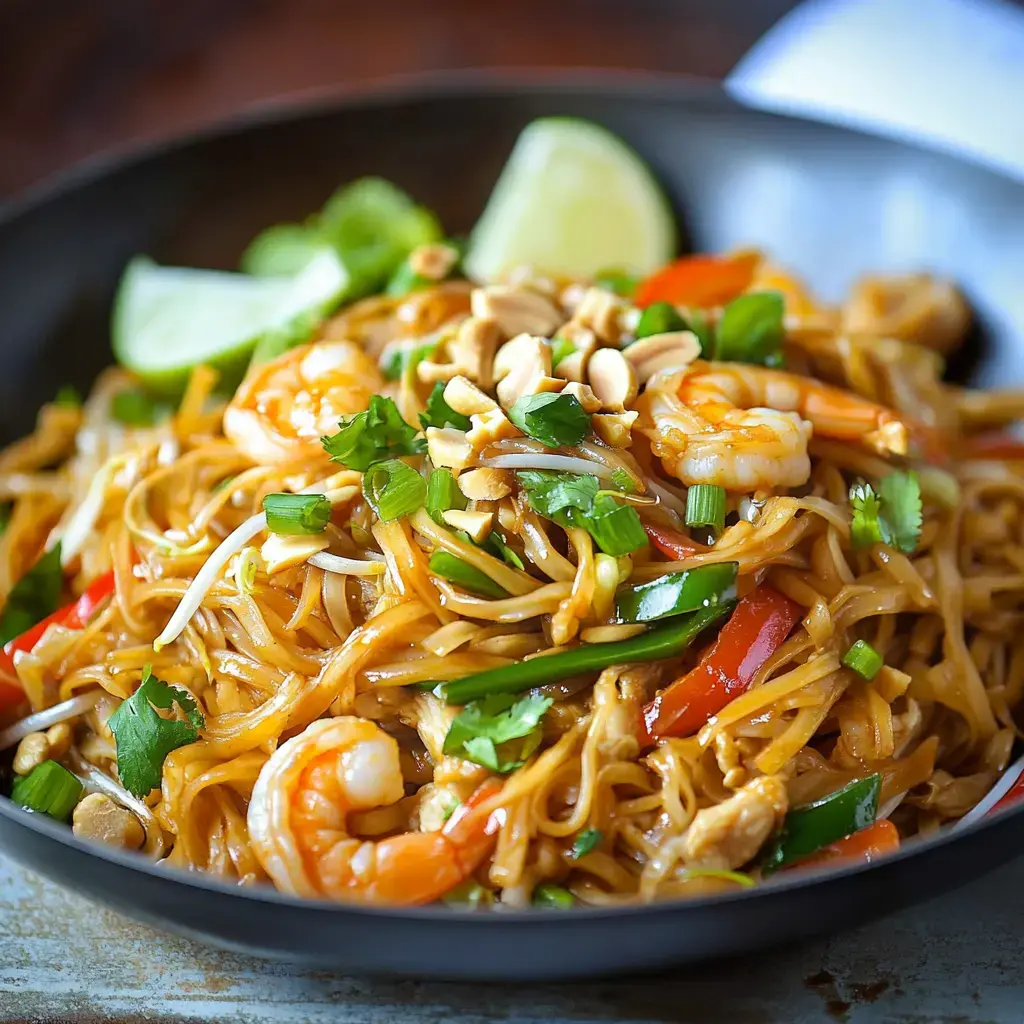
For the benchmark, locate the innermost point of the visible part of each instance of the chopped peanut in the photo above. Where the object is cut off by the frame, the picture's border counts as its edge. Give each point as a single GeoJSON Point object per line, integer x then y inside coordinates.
{"type": "Point", "coordinates": [574, 365]}
{"type": "Point", "coordinates": [584, 394]}
{"type": "Point", "coordinates": [97, 817]}
{"type": "Point", "coordinates": [599, 310]}
{"type": "Point", "coordinates": [523, 367]}
{"type": "Point", "coordinates": [516, 309]}
{"type": "Point", "coordinates": [32, 751]}
{"type": "Point", "coordinates": [730, 833]}
{"type": "Point", "coordinates": [487, 428]}
{"type": "Point", "coordinates": [474, 347]}
{"type": "Point", "coordinates": [285, 552]}
{"type": "Point", "coordinates": [612, 378]}
{"type": "Point", "coordinates": [672, 350]}
{"type": "Point", "coordinates": [433, 261]}
{"type": "Point", "coordinates": [615, 428]}
{"type": "Point", "coordinates": [59, 737]}
{"type": "Point", "coordinates": [485, 484]}
{"type": "Point", "coordinates": [477, 524]}
{"type": "Point", "coordinates": [449, 447]}
{"type": "Point", "coordinates": [466, 398]}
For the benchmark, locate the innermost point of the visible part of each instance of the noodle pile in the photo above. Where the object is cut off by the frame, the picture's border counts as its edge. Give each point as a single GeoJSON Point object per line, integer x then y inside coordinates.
{"type": "Point", "coordinates": [272, 648]}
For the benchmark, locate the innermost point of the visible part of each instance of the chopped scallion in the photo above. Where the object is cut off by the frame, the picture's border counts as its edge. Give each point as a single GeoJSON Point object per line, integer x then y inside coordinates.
{"type": "Point", "coordinates": [443, 494]}
{"type": "Point", "coordinates": [135, 408]}
{"type": "Point", "coordinates": [617, 281]}
{"type": "Point", "coordinates": [48, 789]}
{"type": "Point", "coordinates": [705, 506]}
{"type": "Point", "coordinates": [297, 514]}
{"type": "Point", "coordinates": [659, 318]}
{"type": "Point", "coordinates": [404, 281]}
{"type": "Point", "coordinates": [393, 489]}
{"type": "Point", "coordinates": [469, 577]}
{"type": "Point", "coordinates": [585, 842]}
{"type": "Point", "coordinates": [863, 659]}
{"type": "Point", "coordinates": [553, 896]}
{"type": "Point", "coordinates": [751, 330]}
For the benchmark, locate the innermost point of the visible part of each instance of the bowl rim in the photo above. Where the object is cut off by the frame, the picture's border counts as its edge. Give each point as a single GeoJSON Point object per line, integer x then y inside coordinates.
{"type": "Point", "coordinates": [392, 91]}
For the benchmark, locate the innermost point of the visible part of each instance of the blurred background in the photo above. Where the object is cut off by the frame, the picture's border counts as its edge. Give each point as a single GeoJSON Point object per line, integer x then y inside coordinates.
{"type": "Point", "coordinates": [80, 76]}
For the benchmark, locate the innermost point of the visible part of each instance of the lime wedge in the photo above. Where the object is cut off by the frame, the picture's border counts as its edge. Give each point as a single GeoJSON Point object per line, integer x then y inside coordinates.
{"type": "Point", "coordinates": [167, 320]}
{"type": "Point", "coordinates": [573, 199]}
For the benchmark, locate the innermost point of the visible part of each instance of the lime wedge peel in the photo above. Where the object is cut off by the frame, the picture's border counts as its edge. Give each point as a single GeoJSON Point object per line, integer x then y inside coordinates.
{"type": "Point", "coordinates": [168, 320]}
{"type": "Point", "coordinates": [573, 199]}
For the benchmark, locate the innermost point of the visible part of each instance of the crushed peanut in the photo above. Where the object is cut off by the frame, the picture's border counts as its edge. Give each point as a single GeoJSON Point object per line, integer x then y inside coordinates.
{"type": "Point", "coordinates": [615, 428]}
{"type": "Point", "coordinates": [59, 737]}
{"type": "Point", "coordinates": [433, 261]}
{"type": "Point", "coordinates": [485, 484]}
{"type": "Point", "coordinates": [516, 309]}
{"type": "Point", "coordinates": [97, 817]}
{"type": "Point", "coordinates": [584, 394]}
{"type": "Point", "coordinates": [673, 350]}
{"type": "Point", "coordinates": [612, 379]}
{"type": "Point", "coordinates": [599, 310]}
{"type": "Point", "coordinates": [449, 448]}
{"type": "Point", "coordinates": [32, 751]}
{"type": "Point", "coordinates": [477, 524]}
{"type": "Point", "coordinates": [285, 552]}
{"type": "Point", "coordinates": [487, 428]}
{"type": "Point", "coordinates": [466, 398]}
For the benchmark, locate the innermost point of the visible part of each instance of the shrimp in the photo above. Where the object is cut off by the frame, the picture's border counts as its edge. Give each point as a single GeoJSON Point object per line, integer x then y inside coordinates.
{"type": "Point", "coordinates": [282, 408]}
{"type": "Point", "coordinates": [297, 821]}
{"type": "Point", "coordinates": [747, 427]}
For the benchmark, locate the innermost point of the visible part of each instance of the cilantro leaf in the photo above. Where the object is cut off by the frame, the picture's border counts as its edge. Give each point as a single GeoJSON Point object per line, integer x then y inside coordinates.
{"type": "Point", "coordinates": [33, 597]}
{"type": "Point", "coordinates": [585, 842]}
{"type": "Point", "coordinates": [374, 435]}
{"type": "Point", "coordinates": [900, 493]}
{"type": "Point", "coordinates": [892, 515]}
{"type": "Point", "coordinates": [570, 499]}
{"type": "Point", "coordinates": [499, 732]}
{"type": "Point", "coordinates": [554, 420]}
{"type": "Point", "coordinates": [440, 414]}
{"type": "Point", "coordinates": [144, 739]}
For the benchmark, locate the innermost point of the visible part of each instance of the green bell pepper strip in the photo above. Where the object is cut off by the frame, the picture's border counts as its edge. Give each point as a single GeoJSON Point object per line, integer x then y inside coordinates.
{"type": "Point", "coordinates": [661, 642]}
{"type": "Point", "coordinates": [807, 829]}
{"type": "Point", "coordinates": [677, 593]}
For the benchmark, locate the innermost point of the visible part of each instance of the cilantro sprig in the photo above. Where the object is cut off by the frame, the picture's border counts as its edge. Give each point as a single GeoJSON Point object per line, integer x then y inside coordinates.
{"type": "Point", "coordinates": [440, 414]}
{"type": "Point", "coordinates": [891, 515]}
{"type": "Point", "coordinates": [573, 499]}
{"type": "Point", "coordinates": [374, 435]}
{"type": "Point", "coordinates": [144, 738]}
{"type": "Point", "coordinates": [499, 732]}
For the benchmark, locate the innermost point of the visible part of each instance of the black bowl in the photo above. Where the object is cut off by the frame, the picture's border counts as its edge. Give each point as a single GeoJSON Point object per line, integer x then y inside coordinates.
{"type": "Point", "coordinates": [827, 202]}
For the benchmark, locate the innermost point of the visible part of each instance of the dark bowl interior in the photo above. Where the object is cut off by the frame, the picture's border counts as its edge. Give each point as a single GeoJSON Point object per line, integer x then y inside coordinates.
{"type": "Point", "coordinates": [826, 202]}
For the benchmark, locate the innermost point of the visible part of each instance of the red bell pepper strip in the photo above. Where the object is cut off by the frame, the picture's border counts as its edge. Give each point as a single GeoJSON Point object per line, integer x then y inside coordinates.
{"type": "Point", "coordinates": [74, 616]}
{"type": "Point", "coordinates": [698, 281]}
{"type": "Point", "coordinates": [761, 622]}
{"type": "Point", "coordinates": [867, 845]}
{"type": "Point", "coordinates": [671, 542]}
{"type": "Point", "coordinates": [1012, 796]}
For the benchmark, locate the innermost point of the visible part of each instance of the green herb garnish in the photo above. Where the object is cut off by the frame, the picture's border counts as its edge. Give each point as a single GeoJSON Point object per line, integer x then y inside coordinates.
{"type": "Point", "coordinates": [469, 577]}
{"type": "Point", "coordinates": [370, 436]}
{"type": "Point", "coordinates": [440, 414]}
{"type": "Point", "coordinates": [751, 331]}
{"type": "Point", "coordinates": [585, 842]}
{"type": "Point", "coordinates": [863, 659]}
{"type": "Point", "coordinates": [144, 738]}
{"type": "Point", "coordinates": [297, 514]}
{"type": "Point", "coordinates": [33, 597]}
{"type": "Point", "coordinates": [892, 516]}
{"type": "Point", "coordinates": [555, 420]}
{"type": "Point", "coordinates": [498, 732]}
{"type": "Point", "coordinates": [393, 489]}
{"type": "Point", "coordinates": [48, 789]}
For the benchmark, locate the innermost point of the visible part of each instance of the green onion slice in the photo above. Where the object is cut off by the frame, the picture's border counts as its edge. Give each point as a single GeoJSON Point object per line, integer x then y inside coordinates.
{"type": "Point", "coordinates": [864, 660]}
{"type": "Point", "coordinates": [617, 281]}
{"type": "Point", "coordinates": [393, 489]}
{"type": "Point", "coordinates": [585, 842]}
{"type": "Point", "coordinates": [751, 330]}
{"type": "Point", "coordinates": [553, 896]}
{"type": "Point", "coordinates": [659, 318]}
{"type": "Point", "coordinates": [706, 586]}
{"type": "Point", "coordinates": [443, 494]}
{"type": "Point", "coordinates": [705, 506]}
{"type": "Point", "coordinates": [48, 789]}
{"type": "Point", "coordinates": [560, 348]}
{"type": "Point", "coordinates": [297, 514]}
{"type": "Point", "coordinates": [555, 420]}
{"type": "Point", "coordinates": [469, 577]}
